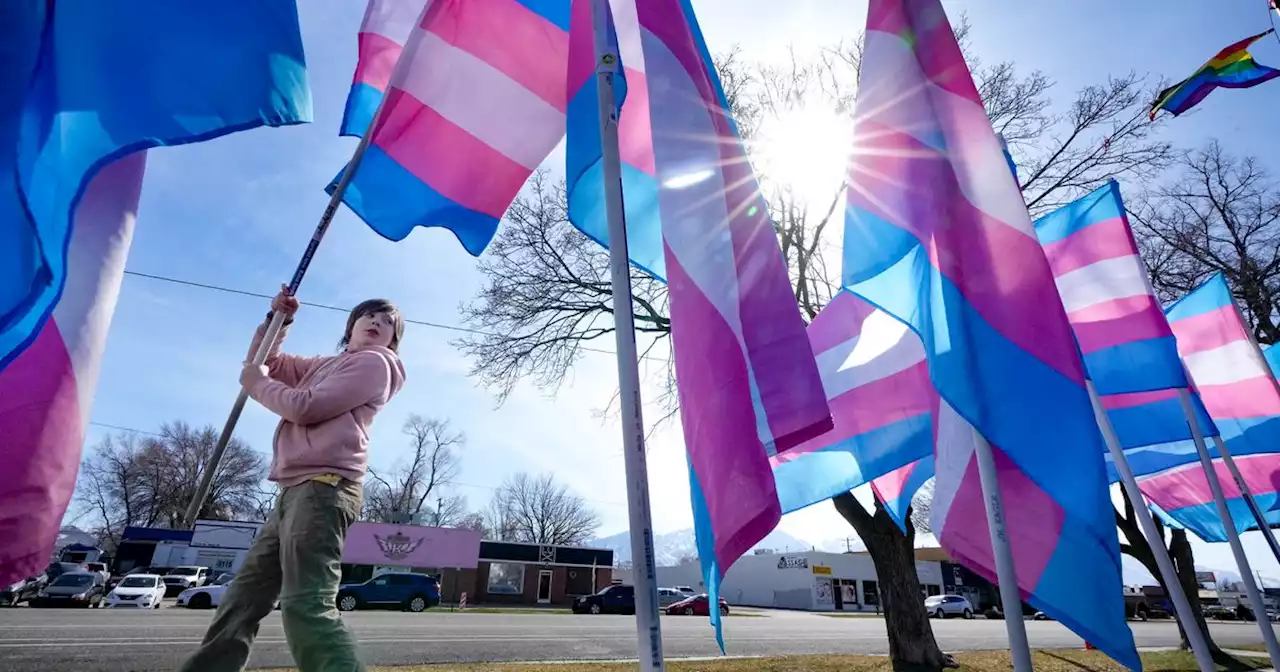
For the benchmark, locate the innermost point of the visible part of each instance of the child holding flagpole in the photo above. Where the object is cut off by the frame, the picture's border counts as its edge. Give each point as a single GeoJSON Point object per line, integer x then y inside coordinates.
{"type": "Point", "coordinates": [326, 405]}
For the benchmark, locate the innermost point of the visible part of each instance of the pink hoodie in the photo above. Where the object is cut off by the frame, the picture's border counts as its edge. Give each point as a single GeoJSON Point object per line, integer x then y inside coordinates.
{"type": "Point", "coordinates": [326, 405]}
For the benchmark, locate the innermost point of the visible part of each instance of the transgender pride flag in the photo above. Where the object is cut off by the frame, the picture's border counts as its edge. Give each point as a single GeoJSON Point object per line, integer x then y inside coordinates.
{"type": "Point", "coordinates": [897, 488]}
{"type": "Point", "coordinates": [937, 235]}
{"type": "Point", "coordinates": [1240, 394]}
{"type": "Point", "coordinates": [877, 385]}
{"type": "Point", "coordinates": [1129, 350]}
{"type": "Point", "coordinates": [748, 382]}
{"type": "Point", "coordinates": [476, 101]}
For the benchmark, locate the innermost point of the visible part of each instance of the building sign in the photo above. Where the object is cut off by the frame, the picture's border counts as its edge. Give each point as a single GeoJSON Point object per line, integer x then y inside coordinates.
{"type": "Point", "coordinates": [793, 563]}
{"type": "Point", "coordinates": [955, 572]}
{"type": "Point", "coordinates": [411, 546]}
{"type": "Point", "coordinates": [224, 534]}
{"type": "Point", "coordinates": [547, 555]}
{"type": "Point", "coordinates": [822, 570]}
{"type": "Point", "coordinates": [216, 560]}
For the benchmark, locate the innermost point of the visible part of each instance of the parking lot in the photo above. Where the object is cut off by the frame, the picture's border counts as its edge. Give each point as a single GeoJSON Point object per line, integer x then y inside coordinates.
{"type": "Point", "coordinates": [113, 640]}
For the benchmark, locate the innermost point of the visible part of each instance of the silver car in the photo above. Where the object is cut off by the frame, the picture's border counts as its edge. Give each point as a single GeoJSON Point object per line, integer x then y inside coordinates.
{"type": "Point", "coordinates": [669, 596]}
{"type": "Point", "coordinates": [942, 606]}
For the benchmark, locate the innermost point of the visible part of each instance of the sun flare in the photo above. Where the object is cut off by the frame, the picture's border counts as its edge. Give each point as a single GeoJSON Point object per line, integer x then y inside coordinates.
{"type": "Point", "coordinates": [805, 152]}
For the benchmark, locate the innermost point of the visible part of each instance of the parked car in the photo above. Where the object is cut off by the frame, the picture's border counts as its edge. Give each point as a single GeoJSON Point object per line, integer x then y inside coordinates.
{"type": "Point", "coordinates": [72, 589]}
{"type": "Point", "coordinates": [181, 578]}
{"type": "Point", "coordinates": [137, 591]}
{"type": "Point", "coordinates": [99, 567]}
{"type": "Point", "coordinates": [698, 605]}
{"type": "Point", "coordinates": [669, 596]}
{"type": "Point", "coordinates": [942, 606]}
{"type": "Point", "coordinates": [1041, 616]}
{"type": "Point", "coordinates": [407, 590]}
{"type": "Point", "coordinates": [1219, 612]}
{"type": "Point", "coordinates": [56, 569]}
{"type": "Point", "coordinates": [22, 591]}
{"type": "Point", "coordinates": [616, 599]}
{"type": "Point", "coordinates": [207, 597]}
{"type": "Point", "coordinates": [687, 590]}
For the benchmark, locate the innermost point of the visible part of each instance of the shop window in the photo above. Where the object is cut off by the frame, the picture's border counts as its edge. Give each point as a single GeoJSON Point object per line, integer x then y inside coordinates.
{"type": "Point", "coordinates": [506, 578]}
{"type": "Point", "coordinates": [870, 593]}
{"type": "Point", "coordinates": [578, 581]}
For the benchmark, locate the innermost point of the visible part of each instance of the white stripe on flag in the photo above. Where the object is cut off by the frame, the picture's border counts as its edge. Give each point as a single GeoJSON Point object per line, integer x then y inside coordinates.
{"type": "Point", "coordinates": [392, 19]}
{"type": "Point", "coordinates": [627, 25]}
{"type": "Point", "coordinates": [480, 99]}
{"type": "Point", "coordinates": [884, 347]}
{"type": "Point", "coordinates": [1223, 365]}
{"type": "Point", "coordinates": [1101, 282]}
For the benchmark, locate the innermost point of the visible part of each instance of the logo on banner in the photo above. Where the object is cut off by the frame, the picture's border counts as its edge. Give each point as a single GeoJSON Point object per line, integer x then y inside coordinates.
{"type": "Point", "coordinates": [398, 546]}
{"type": "Point", "coordinates": [793, 563]}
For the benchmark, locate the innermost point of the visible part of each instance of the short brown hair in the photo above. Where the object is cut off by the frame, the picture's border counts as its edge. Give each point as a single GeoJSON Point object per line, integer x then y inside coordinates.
{"type": "Point", "coordinates": [371, 307]}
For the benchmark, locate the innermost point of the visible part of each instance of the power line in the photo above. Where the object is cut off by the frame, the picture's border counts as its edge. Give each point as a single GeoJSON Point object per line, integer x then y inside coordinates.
{"type": "Point", "coordinates": [492, 488]}
{"type": "Point", "coordinates": [339, 309]}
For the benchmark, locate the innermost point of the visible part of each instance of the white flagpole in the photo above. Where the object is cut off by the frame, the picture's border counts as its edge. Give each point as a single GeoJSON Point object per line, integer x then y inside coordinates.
{"type": "Point", "coordinates": [648, 628]}
{"type": "Point", "coordinates": [1006, 576]}
{"type": "Point", "coordinates": [277, 320]}
{"type": "Point", "coordinates": [1258, 515]}
{"type": "Point", "coordinates": [1154, 539]}
{"type": "Point", "coordinates": [1233, 537]}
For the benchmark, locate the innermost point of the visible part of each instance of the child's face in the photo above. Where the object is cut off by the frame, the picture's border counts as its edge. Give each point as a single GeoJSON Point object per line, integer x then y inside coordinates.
{"type": "Point", "coordinates": [372, 329]}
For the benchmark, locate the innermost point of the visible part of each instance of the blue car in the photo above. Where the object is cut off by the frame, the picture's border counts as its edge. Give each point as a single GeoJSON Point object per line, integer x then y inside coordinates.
{"type": "Point", "coordinates": [403, 590]}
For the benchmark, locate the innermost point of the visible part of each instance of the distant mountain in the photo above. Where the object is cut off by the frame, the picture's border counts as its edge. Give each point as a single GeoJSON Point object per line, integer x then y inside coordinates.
{"type": "Point", "coordinates": [671, 548]}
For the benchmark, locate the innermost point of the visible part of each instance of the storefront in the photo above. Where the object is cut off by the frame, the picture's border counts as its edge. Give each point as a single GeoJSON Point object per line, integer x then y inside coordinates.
{"type": "Point", "coordinates": [537, 574]}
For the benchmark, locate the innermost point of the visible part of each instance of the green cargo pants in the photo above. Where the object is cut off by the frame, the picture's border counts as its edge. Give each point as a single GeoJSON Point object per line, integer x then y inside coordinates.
{"type": "Point", "coordinates": [295, 557]}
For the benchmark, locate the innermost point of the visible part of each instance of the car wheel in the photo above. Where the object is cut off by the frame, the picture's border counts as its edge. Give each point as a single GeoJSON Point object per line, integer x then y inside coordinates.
{"type": "Point", "coordinates": [200, 601]}
{"type": "Point", "coordinates": [968, 614]}
{"type": "Point", "coordinates": [688, 611]}
{"type": "Point", "coordinates": [417, 604]}
{"type": "Point", "coordinates": [348, 602]}
{"type": "Point", "coordinates": [940, 614]}
{"type": "Point", "coordinates": [595, 609]}
{"type": "Point", "coordinates": [724, 611]}
{"type": "Point", "coordinates": [1142, 615]}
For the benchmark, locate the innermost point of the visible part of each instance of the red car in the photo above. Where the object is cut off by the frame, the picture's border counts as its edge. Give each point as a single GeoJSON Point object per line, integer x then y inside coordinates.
{"type": "Point", "coordinates": [696, 606]}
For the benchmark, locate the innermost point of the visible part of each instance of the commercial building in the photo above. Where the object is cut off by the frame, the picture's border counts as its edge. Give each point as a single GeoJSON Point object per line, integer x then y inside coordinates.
{"type": "Point", "coordinates": [822, 581]}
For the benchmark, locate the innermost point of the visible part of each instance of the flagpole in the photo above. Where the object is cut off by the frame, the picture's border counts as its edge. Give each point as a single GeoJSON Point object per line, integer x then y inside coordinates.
{"type": "Point", "coordinates": [648, 628]}
{"type": "Point", "coordinates": [1155, 540]}
{"type": "Point", "coordinates": [277, 319]}
{"type": "Point", "coordinates": [1006, 576]}
{"type": "Point", "coordinates": [1233, 537]}
{"type": "Point", "coordinates": [1258, 515]}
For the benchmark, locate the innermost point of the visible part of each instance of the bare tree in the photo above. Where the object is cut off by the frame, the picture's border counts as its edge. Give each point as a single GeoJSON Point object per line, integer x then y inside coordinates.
{"type": "Point", "coordinates": [131, 479]}
{"type": "Point", "coordinates": [413, 487]}
{"type": "Point", "coordinates": [547, 296]}
{"type": "Point", "coordinates": [1220, 213]}
{"type": "Point", "coordinates": [538, 510]}
{"type": "Point", "coordinates": [1137, 546]}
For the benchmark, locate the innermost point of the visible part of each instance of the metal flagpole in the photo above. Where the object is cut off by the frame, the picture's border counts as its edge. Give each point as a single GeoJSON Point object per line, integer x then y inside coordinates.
{"type": "Point", "coordinates": [1006, 576]}
{"type": "Point", "coordinates": [1258, 515]}
{"type": "Point", "coordinates": [1237, 549]}
{"type": "Point", "coordinates": [648, 628]}
{"type": "Point", "coordinates": [277, 320]}
{"type": "Point", "coordinates": [1154, 539]}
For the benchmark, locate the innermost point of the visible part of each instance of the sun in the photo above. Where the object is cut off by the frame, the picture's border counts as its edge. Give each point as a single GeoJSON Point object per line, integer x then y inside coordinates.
{"type": "Point", "coordinates": [804, 152]}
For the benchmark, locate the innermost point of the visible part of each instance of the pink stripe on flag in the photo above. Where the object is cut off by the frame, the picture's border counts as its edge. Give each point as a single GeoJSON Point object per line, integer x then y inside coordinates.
{"type": "Point", "coordinates": [524, 46]}
{"type": "Point", "coordinates": [1188, 486]}
{"type": "Point", "coordinates": [485, 181]}
{"type": "Point", "coordinates": [41, 425]}
{"type": "Point", "coordinates": [876, 404]}
{"type": "Point", "coordinates": [889, 486]}
{"type": "Point", "coordinates": [1208, 331]}
{"type": "Point", "coordinates": [1113, 402]}
{"type": "Point", "coordinates": [1113, 323]}
{"type": "Point", "coordinates": [837, 324]}
{"type": "Point", "coordinates": [1251, 398]}
{"type": "Point", "coordinates": [1097, 242]}
{"type": "Point", "coordinates": [959, 236]}
{"type": "Point", "coordinates": [378, 56]}
{"type": "Point", "coordinates": [1032, 519]}
{"type": "Point", "coordinates": [635, 133]}
{"type": "Point", "coordinates": [719, 421]}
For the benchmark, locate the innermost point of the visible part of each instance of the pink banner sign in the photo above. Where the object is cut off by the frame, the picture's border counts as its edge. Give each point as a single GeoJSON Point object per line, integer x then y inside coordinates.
{"type": "Point", "coordinates": [411, 546]}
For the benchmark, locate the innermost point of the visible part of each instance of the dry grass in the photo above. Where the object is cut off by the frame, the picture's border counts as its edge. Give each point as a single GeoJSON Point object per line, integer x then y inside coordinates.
{"type": "Point", "coordinates": [1068, 660]}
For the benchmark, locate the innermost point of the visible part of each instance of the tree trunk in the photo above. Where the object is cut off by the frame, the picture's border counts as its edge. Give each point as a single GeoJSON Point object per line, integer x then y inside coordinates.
{"type": "Point", "coordinates": [1184, 563]}
{"type": "Point", "coordinates": [911, 643]}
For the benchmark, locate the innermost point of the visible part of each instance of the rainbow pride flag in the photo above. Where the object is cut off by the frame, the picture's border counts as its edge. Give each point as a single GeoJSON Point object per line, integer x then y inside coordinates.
{"type": "Point", "coordinates": [1232, 68]}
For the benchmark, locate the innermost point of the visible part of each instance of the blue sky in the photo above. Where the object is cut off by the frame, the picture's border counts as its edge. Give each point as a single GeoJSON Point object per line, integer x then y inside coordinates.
{"type": "Point", "coordinates": [237, 212]}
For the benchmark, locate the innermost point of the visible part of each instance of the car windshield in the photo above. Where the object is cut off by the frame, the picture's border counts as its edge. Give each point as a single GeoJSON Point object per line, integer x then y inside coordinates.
{"type": "Point", "coordinates": [138, 582]}
{"type": "Point", "coordinates": [73, 580]}
{"type": "Point", "coordinates": [184, 571]}
{"type": "Point", "coordinates": [223, 579]}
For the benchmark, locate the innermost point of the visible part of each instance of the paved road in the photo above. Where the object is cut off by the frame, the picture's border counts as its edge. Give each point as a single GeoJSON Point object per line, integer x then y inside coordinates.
{"type": "Point", "coordinates": [85, 641]}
